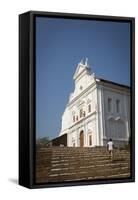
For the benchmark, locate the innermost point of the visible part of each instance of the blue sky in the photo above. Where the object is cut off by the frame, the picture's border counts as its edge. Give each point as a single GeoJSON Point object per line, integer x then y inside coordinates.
{"type": "Point", "coordinates": [60, 45]}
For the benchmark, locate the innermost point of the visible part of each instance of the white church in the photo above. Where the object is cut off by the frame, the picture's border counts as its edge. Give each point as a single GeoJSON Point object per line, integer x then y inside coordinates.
{"type": "Point", "coordinates": [97, 110]}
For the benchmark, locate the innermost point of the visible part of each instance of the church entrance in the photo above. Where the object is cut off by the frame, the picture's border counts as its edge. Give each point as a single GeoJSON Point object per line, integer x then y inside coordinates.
{"type": "Point", "coordinates": [81, 139]}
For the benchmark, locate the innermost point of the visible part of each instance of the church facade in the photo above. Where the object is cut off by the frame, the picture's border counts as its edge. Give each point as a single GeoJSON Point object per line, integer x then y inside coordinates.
{"type": "Point", "coordinates": [97, 110]}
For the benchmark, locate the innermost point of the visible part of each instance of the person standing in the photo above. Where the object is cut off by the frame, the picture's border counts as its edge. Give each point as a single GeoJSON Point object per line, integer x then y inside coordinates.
{"type": "Point", "coordinates": [110, 146]}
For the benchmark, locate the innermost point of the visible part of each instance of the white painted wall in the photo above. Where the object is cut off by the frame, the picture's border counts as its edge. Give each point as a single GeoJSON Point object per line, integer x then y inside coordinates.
{"type": "Point", "coordinates": [117, 125]}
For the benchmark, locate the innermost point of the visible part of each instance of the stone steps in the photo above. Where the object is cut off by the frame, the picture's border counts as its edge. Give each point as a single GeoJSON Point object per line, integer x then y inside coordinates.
{"type": "Point", "coordinates": [67, 149]}
{"type": "Point", "coordinates": [68, 176]}
{"type": "Point", "coordinates": [81, 160]}
{"type": "Point", "coordinates": [61, 164]}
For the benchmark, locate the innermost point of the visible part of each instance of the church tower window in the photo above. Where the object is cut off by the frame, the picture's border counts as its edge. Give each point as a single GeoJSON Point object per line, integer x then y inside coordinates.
{"type": "Point", "coordinates": [81, 87]}
{"type": "Point", "coordinates": [89, 108]}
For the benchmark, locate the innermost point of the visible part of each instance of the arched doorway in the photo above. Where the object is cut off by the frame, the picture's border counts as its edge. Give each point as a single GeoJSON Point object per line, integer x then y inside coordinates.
{"type": "Point", "coordinates": [81, 139]}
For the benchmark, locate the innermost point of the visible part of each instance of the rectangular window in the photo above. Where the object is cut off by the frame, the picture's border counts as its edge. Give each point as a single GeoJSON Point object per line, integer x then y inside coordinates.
{"type": "Point", "coordinates": [117, 106]}
{"type": "Point", "coordinates": [109, 104]}
{"type": "Point", "coordinates": [90, 140]}
{"type": "Point", "coordinates": [89, 108]}
{"type": "Point", "coordinates": [81, 113]}
{"type": "Point", "coordinates": [74, 118]}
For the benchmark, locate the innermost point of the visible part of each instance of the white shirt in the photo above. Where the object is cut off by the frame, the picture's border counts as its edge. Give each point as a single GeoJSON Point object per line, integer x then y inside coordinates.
{"type": "Point", "coordinates": [110, 145]}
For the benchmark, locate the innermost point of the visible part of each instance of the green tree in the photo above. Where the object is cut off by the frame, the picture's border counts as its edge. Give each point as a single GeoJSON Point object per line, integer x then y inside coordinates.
{"type": "Point", "coordinates": [42, 141]}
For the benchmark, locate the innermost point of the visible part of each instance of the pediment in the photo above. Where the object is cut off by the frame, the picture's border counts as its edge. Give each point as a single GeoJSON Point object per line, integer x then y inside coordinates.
{"type": "Point", "coordinates": [82, 66]}
{"type": "Point", "coordinates": [79, 70]}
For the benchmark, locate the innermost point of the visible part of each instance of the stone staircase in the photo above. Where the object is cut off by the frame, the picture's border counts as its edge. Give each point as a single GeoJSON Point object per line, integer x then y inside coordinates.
{"type": "Point", "coordinates": [62, 164]}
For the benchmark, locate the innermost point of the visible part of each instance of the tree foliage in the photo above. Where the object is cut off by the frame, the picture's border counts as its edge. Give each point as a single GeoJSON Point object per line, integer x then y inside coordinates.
{"type": "Point", "coordinates": [42, 141]}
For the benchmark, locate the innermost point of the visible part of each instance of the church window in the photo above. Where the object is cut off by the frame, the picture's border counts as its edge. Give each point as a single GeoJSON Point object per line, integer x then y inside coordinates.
{"type": "Point", "coordinates": [117, 106]}
{"type": "Point", "coordinates": [90, 140]}
{"type": "Point", "coordinates": [81, 87]}
{"type": "Point", "coordinates": [109, 104]}
{"type": "Point", "coordinates": [89, 108]}
{"type": "Point", "coordinates": [81, 113]}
